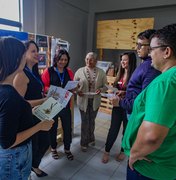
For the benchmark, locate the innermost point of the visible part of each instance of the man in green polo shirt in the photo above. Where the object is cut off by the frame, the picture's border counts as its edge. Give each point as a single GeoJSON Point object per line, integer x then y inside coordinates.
{"type": "Point", "coordinates": [150, 137]}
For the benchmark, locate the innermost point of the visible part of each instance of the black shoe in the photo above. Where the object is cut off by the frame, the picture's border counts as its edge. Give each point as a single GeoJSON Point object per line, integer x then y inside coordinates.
{"type": "Point", "coordinates": [42, 174]}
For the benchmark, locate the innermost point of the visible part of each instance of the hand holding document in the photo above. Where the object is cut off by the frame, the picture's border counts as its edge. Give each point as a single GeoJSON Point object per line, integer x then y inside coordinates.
{"type": "Point", "coordinates": [109, 96]}
{"type": "Point", "coordinates": [61, 95]}
{"type": "Point", "coordinates": [113, 89]}
{"type": "Point", "coordinates": [58, 98]}
{"type": "Point", "coordinates": [48, 109]}
{"type": "Point", "coordinates": [71, 85]}
{"type": "Point", "coordinates": [115, 101]}
{"type": "Point", "coordinates": [90, 93]}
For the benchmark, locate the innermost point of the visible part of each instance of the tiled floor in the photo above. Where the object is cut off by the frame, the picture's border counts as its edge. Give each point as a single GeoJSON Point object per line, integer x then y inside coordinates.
{"type": "Point", "coordinates": [86, 165]}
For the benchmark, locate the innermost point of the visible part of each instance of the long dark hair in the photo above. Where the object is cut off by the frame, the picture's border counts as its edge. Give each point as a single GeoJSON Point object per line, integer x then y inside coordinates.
{"type": "Point", "coordinates": [35, 69]}
{"type": "Point", "coordinates": [58, 56]}
{"type": "Point", "coordinates": [131, 67]}
{"type": "Point", "coordinates": [11, 52]}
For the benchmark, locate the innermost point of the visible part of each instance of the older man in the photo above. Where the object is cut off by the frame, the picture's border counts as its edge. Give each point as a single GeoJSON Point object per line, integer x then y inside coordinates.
{"type": "Point", "coordinates": [150, 137]}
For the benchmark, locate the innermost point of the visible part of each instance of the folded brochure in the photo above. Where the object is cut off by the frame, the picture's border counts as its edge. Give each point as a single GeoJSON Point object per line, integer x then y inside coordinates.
{"type": "Point", "coordinates": [48, 109]}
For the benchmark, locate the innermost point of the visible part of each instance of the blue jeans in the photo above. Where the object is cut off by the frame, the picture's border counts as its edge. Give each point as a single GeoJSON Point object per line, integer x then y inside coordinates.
{"type": "Point", "coordinates": [134, 175]}
{"type": "Point", "coordinates": [15, 163]}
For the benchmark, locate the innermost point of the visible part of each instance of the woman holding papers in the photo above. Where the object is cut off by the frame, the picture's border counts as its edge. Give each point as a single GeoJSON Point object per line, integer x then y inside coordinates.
{"type": "Point", "coordinates": [58, 75]}
{"type": "Point", "coordinates": [92, 82]}
{"type": "Point", "coordinates": [16, 122]}
{"type": "Point", "coordinates": [127, 66]}
{"type": "Point", "coordinates": [29, 85]}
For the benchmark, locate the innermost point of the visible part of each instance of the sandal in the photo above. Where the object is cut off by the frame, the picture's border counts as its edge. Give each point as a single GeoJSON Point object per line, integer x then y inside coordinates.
{"type": "Point", "coordinates": [120, 157]}
{"type": "Point", "coordinates": [69, 155]}
{"type": "Point", "coordinates": [55, 154]}
{"type": "Point", "coordinates": [105, 158]}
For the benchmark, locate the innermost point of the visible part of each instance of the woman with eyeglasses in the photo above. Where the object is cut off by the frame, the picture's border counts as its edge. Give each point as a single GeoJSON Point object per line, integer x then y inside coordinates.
{"type": "Point", "coordinates": [127, 66]}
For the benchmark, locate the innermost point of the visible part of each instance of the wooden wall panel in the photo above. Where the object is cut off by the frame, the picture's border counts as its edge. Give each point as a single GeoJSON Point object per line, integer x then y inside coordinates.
{"type": "Point", "coordinates": [121, 34]}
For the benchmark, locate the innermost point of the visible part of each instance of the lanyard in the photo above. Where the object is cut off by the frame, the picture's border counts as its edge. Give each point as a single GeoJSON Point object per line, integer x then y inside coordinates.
{"type": "Point", "coordinates": [27, 69]}
{"type": "Point", "coordinates": [59, 75]}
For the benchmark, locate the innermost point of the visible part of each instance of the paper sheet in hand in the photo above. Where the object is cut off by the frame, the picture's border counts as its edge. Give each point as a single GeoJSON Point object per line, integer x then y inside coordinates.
{"type": "Point", "coordinates": [113, 89]}
{"type": "Point", "coordinates": [71, 85]}
{"type": "Point", "coordinates": [48, 109]}
{"type": "Point", "coordinates": [61, 95]}
{"type": "Point", "coordinates": [90, 93]}
{"type": "Point", "coordinates": [109, 96]}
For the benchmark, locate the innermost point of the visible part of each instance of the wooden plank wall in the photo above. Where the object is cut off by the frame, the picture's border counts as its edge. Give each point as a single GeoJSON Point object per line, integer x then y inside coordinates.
{"type": "Point", "coordinates": [106, 106]}
{"type": "Point", "coordinates": [121, 34]}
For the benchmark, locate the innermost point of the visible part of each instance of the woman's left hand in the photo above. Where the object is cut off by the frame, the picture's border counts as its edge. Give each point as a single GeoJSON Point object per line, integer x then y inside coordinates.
{"type": "Point", "coordinates": [98, 91]}
{"type": "Point", "coordinates": [115, 101]}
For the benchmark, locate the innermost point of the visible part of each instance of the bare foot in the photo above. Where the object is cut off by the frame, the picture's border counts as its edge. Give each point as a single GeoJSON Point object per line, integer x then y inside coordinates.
{"type": "Point", "coordinates": [105, 158]}
{"type": "Point", "coordinates": [120, 157]}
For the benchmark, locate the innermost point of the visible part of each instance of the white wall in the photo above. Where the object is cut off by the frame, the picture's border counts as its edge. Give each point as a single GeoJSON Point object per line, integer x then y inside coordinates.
{"type": "Point", "coordinates": [69, 22]}
{"type": "Point", "coordinates": [34, 16]}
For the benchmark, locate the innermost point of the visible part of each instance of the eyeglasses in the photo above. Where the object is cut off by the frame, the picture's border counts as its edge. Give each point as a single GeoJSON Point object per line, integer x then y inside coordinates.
{"type": "Point", "coordinates": [155, 47]}
{"type": "Point", "coordinates": [139, 45]}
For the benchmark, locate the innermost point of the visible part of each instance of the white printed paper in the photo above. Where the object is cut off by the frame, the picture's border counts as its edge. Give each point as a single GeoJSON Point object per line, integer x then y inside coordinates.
{"type": "Point", "coordinates": [48, 109]}
{"type": "Point", "coordinates": [109, 96]}
{"type": "Point", "coordinates": [71, 85]}
{"type": "Point", "coordinates": [113, 89]}
{"type": "Point", "coordinates": [90, 93]}
{"type": "Point", "coordinates": [61, 95]}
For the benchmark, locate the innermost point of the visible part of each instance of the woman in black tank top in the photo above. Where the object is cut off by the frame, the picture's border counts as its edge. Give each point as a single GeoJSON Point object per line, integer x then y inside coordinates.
{"type": "Point", "coordinates": [32, 90]}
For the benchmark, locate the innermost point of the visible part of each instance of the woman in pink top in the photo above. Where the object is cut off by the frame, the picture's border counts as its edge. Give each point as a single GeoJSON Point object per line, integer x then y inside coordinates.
{"type": "Point", "coordinates": [127, 66]}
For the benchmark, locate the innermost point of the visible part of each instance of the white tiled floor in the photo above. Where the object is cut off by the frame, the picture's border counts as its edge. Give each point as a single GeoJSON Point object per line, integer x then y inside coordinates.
{"type": "Point", "coordinates": [86, 165]}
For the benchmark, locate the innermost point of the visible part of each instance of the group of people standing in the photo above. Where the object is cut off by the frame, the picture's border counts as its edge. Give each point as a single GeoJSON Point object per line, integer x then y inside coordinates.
{"type": "Point", "coordinates": [143, 103]}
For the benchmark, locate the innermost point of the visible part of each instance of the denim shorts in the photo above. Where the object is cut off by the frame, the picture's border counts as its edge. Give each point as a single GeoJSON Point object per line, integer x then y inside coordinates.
{"type": "Point", "coordinates": [16, 163]}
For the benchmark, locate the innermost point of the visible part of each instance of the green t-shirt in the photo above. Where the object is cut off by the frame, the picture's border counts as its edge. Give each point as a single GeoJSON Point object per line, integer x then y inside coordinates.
{"type": "Point", "coordinates": [157, 104]}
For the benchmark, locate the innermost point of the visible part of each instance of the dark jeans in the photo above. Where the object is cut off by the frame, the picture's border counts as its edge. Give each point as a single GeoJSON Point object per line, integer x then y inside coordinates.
{"type": "Point", "coordinates": [118, 116]}
{"type": "Point", "coordinates": [40, 144]}
{"type": "Point", "coordinates": [134, 175]}
{"type": "Point", "coordinates": [65, 116]}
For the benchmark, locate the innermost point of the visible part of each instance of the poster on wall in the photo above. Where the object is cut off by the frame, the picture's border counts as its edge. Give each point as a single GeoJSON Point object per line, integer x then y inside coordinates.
{"type": "Point", "coordinates": [56, 45]}
{"type": "Point", "coordinates": [62, 44]}
{"type": "Point", "coordinates": [42, 59]}
{"type": "Point", "coordinates": [42, 41]}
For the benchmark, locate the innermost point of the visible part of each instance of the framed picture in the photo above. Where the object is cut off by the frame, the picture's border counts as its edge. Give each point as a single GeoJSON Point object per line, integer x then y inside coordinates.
{"type": "Point", "coordinates": [41, 41]}
{"type": "Point", "coordinates": [42, 59]}
{"type": "Point", "coordinates": [62, 44]}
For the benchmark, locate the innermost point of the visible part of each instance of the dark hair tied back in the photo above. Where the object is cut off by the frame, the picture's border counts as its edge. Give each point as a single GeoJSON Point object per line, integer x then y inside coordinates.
{"type": "Point", "coordinates": [58, 56]}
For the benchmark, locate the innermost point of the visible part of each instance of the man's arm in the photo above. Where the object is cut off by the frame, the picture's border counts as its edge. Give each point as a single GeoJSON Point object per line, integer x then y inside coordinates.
{"type": "Point", "coordinates": [149, 138]}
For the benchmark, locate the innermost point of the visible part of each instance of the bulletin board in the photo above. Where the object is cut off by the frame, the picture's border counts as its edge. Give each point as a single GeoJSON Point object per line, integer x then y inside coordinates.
{"type": "Point", "coordinates": [121, 34]}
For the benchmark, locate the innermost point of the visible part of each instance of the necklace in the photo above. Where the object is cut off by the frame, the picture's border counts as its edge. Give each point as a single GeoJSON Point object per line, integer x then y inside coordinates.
{"type": "Point", "coordinates": [91, 75]}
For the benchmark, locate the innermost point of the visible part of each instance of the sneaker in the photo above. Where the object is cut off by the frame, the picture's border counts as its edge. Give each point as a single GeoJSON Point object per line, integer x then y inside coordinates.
{"type": "Point", "coordinates": [120, 157]}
